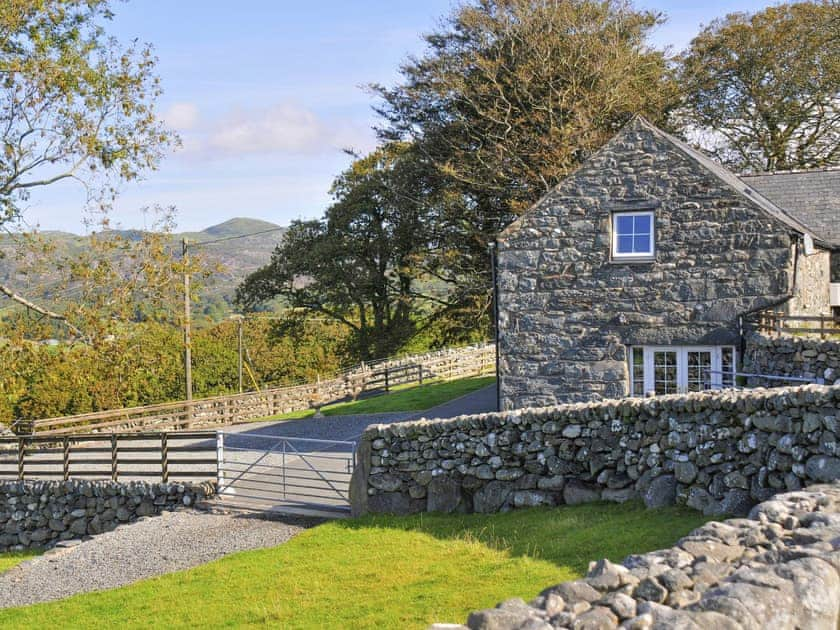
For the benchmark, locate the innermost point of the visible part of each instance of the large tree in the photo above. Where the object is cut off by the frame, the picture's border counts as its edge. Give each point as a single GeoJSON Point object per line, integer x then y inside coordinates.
{"type": "Point", "coordinates": [762, 91]}
{"type": "Point", "coordinates": [509, 98]}
{"type": "Point", "coordinates": [357, 264]}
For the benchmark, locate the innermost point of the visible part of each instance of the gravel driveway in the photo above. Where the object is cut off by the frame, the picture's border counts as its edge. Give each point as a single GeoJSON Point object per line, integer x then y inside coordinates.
{"type": "Point", "coordinates": [153, 546]}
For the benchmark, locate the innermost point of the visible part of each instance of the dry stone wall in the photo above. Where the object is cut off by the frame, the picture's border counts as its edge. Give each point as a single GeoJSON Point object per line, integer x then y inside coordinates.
{"type": "Point", "coordinates": [786, 355]}
{"type": "Point", "coordinates": [719, 452]}
{"type": "Point", "coordinates": [778, 569]}
{"type": "Point", "coordinates": [42, 513]}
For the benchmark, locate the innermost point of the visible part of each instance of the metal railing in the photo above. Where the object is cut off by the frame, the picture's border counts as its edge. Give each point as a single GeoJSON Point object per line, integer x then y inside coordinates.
{"type": "Point", "coordinates": [272, 469]}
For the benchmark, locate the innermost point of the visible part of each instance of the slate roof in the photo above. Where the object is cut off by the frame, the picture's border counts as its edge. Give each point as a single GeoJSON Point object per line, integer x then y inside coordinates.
{"type": "Point", "coordinates": [739, 185]}
{"type": "Point", "coordinates": [813, 196]}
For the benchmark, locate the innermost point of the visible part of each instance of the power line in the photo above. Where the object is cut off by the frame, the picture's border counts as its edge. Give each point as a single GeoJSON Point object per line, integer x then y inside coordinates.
{"type": "Point", "coordinates": [231, 238]}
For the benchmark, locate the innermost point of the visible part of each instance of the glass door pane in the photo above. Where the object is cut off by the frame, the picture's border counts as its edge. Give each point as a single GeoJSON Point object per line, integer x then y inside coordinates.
{"type": "Point", "coordinates": [699, 370]}
{"type": "Point", "coordinates": [727, 366]}
{"type": "Point", "coordinates": [665, 372]}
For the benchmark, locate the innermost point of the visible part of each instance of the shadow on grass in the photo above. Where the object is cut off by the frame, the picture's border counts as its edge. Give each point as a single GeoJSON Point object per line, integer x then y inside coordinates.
{"type": "Point", "coordinates": [568, 536]}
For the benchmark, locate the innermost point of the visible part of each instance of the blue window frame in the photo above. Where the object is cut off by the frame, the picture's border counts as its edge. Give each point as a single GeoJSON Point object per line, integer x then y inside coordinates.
{"type": "Point", "coordinates": [632, 235]}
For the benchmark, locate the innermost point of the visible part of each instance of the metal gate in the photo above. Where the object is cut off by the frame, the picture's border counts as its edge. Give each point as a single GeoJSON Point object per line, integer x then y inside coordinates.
{"type": "Point", "coordinates": [279, 473]}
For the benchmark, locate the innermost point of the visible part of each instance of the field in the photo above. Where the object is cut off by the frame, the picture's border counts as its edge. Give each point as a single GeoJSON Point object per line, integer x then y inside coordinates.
{"type": "Point", "coordinates": [402, 398]}
{"type": "Point", "coordinates": [377, 572]}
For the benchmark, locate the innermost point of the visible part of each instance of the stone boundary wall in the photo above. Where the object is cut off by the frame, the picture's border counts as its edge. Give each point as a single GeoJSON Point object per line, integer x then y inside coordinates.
{"type": "Point", "coordinates": [778, 569]}
{"type": "Point", "coordinates": [42, 513]}
{"type": "Point", "coordinates": [791, 356]}
{"type": "Point", "coordinates": [719, 452]}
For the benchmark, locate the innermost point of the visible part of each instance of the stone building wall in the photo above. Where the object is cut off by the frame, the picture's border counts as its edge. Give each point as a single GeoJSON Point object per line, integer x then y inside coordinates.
{"type": "Point", "coordinates": [567, 312]}
{"type": "Point", "coordinates": [811, 288]}
{"type": "Point", "coordinates": [778, 569]}
{"type": "Point", "coordinates": [41, 513]}
{"type": "Point", "coordinates": [786, 355]}
{"type": "Point", "coordinates": [719, 452]}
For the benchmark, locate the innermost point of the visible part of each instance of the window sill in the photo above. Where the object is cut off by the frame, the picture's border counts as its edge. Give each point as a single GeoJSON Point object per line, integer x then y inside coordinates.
{"type": "Point", "coordinates": [632, 260]}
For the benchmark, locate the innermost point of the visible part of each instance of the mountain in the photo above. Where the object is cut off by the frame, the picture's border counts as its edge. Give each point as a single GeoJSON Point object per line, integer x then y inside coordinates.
{"type": "Point", "coordinates": [239, 246]}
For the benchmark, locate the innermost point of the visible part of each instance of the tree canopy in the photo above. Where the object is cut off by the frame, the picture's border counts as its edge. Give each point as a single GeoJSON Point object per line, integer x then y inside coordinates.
{"type": "Point", "coordinates": [762, 91]}
{"type": "Point", "coordinates": [510, 96]}
{"type": "Point", "coordinates": [359, 264]}
{"type": "Point", "coordinates": [74, 103]}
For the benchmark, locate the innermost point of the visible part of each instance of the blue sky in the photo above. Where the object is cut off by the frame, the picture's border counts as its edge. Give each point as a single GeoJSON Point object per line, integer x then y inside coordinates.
{"type": "Point", "coordinates": [265, 94]}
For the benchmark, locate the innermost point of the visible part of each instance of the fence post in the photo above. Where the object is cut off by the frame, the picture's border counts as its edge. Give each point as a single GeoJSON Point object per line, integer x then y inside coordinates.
{"type": "Point", "coordinates": [220, 461]}
{"type": "Point", "coordinates": [164, 457]}
{"type": "Point", "coordinates": [20, 454]}
{"type": "Point", "coordinates": [114, 455]}
{"type": "Point", "coordinates": [66, 458]}
{"type": "Point", "coordinates": [420, 373]}
{"type": "Point", "coordinates": [386, 379]}
{"type": "Point", "coordinates": [822, 327]}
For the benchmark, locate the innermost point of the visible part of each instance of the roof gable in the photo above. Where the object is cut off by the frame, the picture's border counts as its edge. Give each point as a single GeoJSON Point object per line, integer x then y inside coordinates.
{"type": "Point", "coordinates": [713, 168]}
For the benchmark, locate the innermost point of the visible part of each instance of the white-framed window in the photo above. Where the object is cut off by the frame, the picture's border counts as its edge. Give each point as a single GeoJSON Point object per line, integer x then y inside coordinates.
{"type": "Point", "coordinates": [633, 234]}
{"type": "Point", "coordinates": [661, 370]}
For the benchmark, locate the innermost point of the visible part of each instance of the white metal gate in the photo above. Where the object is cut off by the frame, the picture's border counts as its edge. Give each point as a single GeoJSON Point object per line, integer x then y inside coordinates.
{"type": "Point", "coordinates": [273, 472]}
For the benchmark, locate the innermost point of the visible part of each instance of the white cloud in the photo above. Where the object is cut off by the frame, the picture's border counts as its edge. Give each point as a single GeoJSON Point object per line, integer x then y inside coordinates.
{"type": "Point", "coordinates": [281, 129]}
{"type": "Point", "coordinates": [285, 128]}
{"type": "Point", "coordinates": [181, 116]}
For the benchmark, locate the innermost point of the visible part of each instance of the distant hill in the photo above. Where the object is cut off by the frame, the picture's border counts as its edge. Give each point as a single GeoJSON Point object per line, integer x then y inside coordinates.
{"type": "Point", "coordinates": [238, 257]}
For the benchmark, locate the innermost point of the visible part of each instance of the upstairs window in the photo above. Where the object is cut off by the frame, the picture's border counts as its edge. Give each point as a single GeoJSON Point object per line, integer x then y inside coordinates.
{"type": "Point", "coordinates": [632, 235]}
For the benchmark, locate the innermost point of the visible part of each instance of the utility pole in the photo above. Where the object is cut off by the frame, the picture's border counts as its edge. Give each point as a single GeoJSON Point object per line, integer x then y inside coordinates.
{"type": "Point", "coordinates": [187, 322]}
{"type": "Point", "coordinates": [240, 320]}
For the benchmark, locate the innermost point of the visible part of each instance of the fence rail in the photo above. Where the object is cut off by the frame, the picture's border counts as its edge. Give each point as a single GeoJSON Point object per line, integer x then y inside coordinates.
{"type": "Point", "coordinates": [166, 456]}
{"type": "Point", "coordinates": [257, 470]}
{"type": "Point", "coordinates": [225, 410]}
{"type": "Point", "coordinates": [777, 323]}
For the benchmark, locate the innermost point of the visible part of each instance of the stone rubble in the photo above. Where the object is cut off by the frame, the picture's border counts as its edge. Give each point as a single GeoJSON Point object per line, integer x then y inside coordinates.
{"type": "Point", "coordinates": [778, 569]}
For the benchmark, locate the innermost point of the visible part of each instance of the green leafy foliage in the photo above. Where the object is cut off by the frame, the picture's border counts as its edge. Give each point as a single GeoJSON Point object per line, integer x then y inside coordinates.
{"type": "Point", "coordinates": [762, 90]}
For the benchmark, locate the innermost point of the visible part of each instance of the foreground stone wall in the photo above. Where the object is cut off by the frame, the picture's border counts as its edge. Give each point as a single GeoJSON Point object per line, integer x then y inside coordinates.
{"type": "Point", "coordinates": [719, 452]}
{"type": "Point", "coordinates": [41, 513]}
{"type": "Point", "coordinates": [787, 355]}
{"type": "Point", "coordinates": [778, 569]}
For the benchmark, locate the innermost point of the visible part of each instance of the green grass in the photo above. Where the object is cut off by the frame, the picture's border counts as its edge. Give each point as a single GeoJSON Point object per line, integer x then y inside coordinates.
{"type": "Point", "coordinates": [376, 572]}
{"type": "Point", "coordinates": [13, 558]}
{"type": "Point", "coordinates": [401, 398]}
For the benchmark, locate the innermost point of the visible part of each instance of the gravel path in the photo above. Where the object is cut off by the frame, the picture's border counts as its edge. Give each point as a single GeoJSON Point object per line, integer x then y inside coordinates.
{"type": "Point", "coordinates": [153, 546]}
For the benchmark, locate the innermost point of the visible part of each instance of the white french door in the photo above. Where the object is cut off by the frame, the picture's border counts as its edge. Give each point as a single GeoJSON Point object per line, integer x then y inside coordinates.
{"type": "Point", "coordinates": [661, 370]}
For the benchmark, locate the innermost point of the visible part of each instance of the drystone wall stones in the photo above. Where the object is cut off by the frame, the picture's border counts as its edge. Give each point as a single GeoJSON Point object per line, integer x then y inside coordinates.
{"type": "Point", "coordinates": [786, 355]}
{"type": "Point", "coordinates": [569, 312]}
{"type": "Point", "coordinates": [779, 568]}
{"type": "Point", "coordinates": [717, 452]}
{"type": "Point", "coordinates": [42, 513]}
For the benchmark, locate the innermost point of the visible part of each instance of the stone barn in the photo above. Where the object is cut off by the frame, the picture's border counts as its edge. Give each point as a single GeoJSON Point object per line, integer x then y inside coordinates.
{"type": "Point", "coordinates": [632, 276]}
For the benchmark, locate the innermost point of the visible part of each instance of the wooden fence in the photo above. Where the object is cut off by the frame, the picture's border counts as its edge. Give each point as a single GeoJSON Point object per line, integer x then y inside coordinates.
{"type": "Point", "coordinates": [225, 410]}
{"type": "Point", "coordinates": [776, 323]}
{"type": "Point", "coordinates": [164, 456]}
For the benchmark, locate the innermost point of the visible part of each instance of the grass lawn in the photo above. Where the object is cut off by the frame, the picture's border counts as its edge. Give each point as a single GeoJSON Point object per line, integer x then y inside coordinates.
{"type": "Point", "coordinates": [13, 558]}
{"type": "Point", "coordinates": [401, 398]}
{"type": "Point", "coordinates": [377, 572]}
